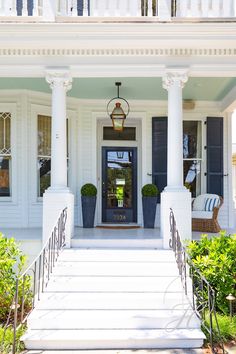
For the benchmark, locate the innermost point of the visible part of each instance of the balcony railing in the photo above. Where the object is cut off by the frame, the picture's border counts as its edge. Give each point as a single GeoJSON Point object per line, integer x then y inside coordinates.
{"type": "Point", "coordinates": [49, 10]}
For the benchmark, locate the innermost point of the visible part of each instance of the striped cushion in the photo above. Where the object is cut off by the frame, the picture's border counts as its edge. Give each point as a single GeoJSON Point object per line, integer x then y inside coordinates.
{"type": "Point", "coordinates": [211, 203]}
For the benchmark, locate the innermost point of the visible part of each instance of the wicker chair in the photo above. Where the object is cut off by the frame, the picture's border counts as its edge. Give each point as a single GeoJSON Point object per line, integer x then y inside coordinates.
{"type": "Point", "coordinates": [202, 220]}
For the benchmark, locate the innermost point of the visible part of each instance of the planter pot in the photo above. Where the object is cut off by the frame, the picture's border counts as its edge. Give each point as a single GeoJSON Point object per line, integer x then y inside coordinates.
{"type": "Point", "coordinates": [88, 211]}
{"type": "Point", "coordinates": [149, 211]}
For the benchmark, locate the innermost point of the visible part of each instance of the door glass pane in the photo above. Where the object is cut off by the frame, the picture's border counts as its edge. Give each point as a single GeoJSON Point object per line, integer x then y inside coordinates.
{"type": "Point", "coordinates": [192, 139]}
{"type": "Point", "coordinates": [119, 179]}
{"type": "Point", "coordinates": [4, 177]}
{"type": "Point", "coordinates": [192, 176]}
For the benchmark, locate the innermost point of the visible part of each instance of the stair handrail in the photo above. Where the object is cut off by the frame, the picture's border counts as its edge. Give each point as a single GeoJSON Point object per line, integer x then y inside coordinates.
{"type": "Point", "coordinates": [199, 287]}
{"type": "Point", "coordinates": [41, 268]}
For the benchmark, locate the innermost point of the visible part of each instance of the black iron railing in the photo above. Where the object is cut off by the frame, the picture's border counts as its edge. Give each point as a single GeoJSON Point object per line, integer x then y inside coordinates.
{"type": "Point", "coordinates": [31, 284]}
{"type": "Point", "coordinates": [197, 289]}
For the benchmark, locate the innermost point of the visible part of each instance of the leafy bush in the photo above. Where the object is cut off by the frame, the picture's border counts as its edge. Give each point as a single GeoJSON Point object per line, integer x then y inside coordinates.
{"type": "Point", "coordinates": [150, 190]}
{"type": "Point", "coordinates": [6, 340]}
{"type": "Point", "coordinates": [88, 190]}
{"type": "Point", "coordinates": [215, 257]}
{"type": "Point", "coordinates": [227, 328]}
{"type": "Point", "coordinates": [12, 262]}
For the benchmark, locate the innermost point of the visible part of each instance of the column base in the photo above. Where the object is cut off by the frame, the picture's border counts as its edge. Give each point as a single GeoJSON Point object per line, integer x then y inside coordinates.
{"type": "Point", "coordinates": [180, 202]}
{"type": "Point", "coordinates": [54, 202]}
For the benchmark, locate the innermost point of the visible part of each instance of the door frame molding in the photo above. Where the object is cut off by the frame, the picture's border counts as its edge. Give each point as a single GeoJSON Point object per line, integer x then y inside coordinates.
{"type": "Point", "coordinates": [138, 120]}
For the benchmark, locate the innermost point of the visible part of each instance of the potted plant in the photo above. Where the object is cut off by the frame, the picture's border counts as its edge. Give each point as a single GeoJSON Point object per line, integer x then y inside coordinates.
{"type": "Point", "coordinates": [88, 199]}
{"type": "Point", "coordinates": [149, 199]}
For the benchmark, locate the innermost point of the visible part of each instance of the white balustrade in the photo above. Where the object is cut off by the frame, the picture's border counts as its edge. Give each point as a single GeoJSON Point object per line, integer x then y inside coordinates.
{"type": "Point", "coordinates": [49, 9]}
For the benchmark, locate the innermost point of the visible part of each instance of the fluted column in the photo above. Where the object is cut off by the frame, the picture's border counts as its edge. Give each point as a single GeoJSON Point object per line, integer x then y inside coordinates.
{"type": "Point", "coordinates": [60, 83]}
{"type": "Point", "coordinates": [174, 82]}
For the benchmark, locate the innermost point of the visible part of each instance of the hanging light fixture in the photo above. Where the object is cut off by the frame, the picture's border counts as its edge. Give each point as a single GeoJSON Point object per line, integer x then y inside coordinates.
{"type": "Point", "coordinates": [117, 114]}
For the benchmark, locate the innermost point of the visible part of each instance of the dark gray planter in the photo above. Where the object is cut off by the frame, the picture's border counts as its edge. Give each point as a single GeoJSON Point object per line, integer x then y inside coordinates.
{"type": "Point", "coordinates": [88, 211]}
{"type": "Point", "coordinates": [149, 211]}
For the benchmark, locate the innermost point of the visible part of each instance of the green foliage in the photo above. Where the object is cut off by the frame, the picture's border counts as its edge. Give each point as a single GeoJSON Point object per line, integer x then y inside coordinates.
{"type": "Point", "coordinates": [227, 328]}
{"type": "Point", "coordinates": [215, 257]}
{"type": "Point", "coordinates": [6, 340]}
{"type": "Point", "coordinates": [150, 190]}
{"type": "Point", "coordinates": [88, 190]}
{"type": "Point", "coordinates": [12, 262]}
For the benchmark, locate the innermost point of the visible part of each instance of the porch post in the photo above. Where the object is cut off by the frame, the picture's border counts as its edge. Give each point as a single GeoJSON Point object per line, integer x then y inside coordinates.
{"type": "Point", "coordinates": [58, 196]}
{"type": "Point", "coordinates": [175, 195]}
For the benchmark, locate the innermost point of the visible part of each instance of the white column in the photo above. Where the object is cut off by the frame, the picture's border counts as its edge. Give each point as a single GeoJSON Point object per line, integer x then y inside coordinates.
{"type": "Point", "coordinates": [175, 195]}
{"type": "Point", "coordinates": [60, 83]}
{"type": "Point", "coordinates": [174, 82]}
{"type": "Point", "coordinates": [58, 196]}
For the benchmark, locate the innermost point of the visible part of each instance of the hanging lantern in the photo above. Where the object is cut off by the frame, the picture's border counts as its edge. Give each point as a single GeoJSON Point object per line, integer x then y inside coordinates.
{"type": "Point", "coordinates": [118, 115]}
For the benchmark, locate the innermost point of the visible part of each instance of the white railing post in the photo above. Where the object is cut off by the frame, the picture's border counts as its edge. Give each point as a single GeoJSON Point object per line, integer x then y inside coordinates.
{"type": "Point", "coordinates": [2, 12]}
{"type": "Point", "coordinates": [49, 10]}
{"type": "Point", "coordinates": [164, 10]}
{"type": "Point", "coordinates": [10, 7]}
{"type": "Point", "coordinates": [63, 8]}
{"type": "Point", "coordinates": [24, 8]}
{"type": "Point", "coordinates": [133, 8]}
{"type": "Point", "coordinates": [227, 8]}
{"type": "Point", "coordinates": [216, 8]}
{"type": "Point", "coordinates": [36, 8]}
{"type": "Point", "coordinates": [74, 11]}
{"type": "Point", "coordinates": [86, 8]}
{"type": "Point", "coordinates": [149, 8]}
{"type": "Point", "coordinates": [205, 8]}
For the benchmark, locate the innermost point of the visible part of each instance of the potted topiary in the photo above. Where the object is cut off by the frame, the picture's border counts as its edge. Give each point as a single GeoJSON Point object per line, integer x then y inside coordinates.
{"type": "Point", "coordinates": [149, 199]}
{"type": "Point", "coordinates": [88, 199]}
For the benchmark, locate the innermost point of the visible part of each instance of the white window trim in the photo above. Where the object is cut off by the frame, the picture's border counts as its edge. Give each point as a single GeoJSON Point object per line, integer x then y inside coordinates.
{"type": "Point", "coordinates": [12, 109]}
{"type": "Point", "coordinates": [36, 110]}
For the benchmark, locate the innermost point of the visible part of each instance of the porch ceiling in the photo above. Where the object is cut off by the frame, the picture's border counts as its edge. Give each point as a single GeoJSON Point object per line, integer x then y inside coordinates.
{"type": "Point", "coordinates": [197, 88]}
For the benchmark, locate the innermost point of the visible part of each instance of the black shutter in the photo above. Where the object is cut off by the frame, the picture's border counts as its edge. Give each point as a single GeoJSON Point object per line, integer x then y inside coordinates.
{"type": "Point", "coordinates": [215, 163]}
{"type": "Point", "coordinates": [159, 153]}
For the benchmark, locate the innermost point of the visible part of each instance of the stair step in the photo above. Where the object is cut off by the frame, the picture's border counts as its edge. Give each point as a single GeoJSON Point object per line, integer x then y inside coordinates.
{"type": "Point", "coordinates": [116, 255]}
{"type": "Point", "coordinates": [114, 284]}
{"type": "Point", "coordinates": [99, 301]}
{"type": "Point", "coordinates": [119, 243]}
{"type": "Point", "coordinates": [115, 269]}
{"type": "Point", "coordinates": [112, 339]}
{"type": "Point", "coordinates": [112, 319]}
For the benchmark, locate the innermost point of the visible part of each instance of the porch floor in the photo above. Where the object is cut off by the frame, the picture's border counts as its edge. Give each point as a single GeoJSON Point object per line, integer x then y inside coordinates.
{"type": "Point", "coordinates": [31, 234]}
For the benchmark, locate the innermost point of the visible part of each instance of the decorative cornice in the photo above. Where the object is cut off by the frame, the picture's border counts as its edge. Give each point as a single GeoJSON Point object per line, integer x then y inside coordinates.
{"type": "Point", "coordinates": [59, 78]}
{"type": "Point", "coordinates": [174, 76]}
{"type": "Point", "coordinates": [180, 52]}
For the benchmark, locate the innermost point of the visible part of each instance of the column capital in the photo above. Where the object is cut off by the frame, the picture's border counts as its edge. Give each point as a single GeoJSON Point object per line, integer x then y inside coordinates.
{"type": "Point", "coordinates": [59, 78]}
{"type": "Point", "coordinates": [172, 76]}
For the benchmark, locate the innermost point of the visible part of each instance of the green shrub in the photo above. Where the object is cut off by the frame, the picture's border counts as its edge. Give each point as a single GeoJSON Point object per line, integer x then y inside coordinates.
{"type": "Point", "coordinates": [150, 190]}
{"type": "Point", "coordinates": [88, 190]}
{"type": "Point", "coordinates": [6, 340]}
{"type": "Point", "coordinates": [215, 257]}
{"type": "Point", "coordinates": [227, 328]}
{"type": "Point", "coordinates": [12, 262]}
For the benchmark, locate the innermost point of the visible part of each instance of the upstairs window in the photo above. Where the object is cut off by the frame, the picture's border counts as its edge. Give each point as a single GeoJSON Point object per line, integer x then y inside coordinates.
{"type": "Point", "coordinates": [5, 154]}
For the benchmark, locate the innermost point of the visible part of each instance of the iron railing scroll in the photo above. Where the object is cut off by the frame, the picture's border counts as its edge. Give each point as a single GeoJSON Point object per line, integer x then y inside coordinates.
{"type": "Point", "coordinates": [200, 293]}
{"type": "Point", "coordinates": [33, 281]}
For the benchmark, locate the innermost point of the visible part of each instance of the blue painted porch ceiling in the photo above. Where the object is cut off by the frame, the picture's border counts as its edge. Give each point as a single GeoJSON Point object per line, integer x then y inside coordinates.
{"type": "Point", "coordinates": [206, 89]}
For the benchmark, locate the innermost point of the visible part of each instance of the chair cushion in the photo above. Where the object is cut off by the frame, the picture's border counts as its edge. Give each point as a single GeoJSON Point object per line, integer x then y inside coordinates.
{"type": "Point", "coordinates": [199, 202]}
{"type": "Point", "coordinates": [202, 214]}
{"type": "Point", "coordinates": [211, 203]}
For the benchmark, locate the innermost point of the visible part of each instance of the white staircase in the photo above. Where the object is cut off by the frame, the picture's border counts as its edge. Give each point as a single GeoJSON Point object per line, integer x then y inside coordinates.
{"type": "Point", "coordinates": [113, 299]}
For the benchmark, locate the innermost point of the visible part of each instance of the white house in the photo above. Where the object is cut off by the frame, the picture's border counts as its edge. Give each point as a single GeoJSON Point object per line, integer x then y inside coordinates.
{"type": "Point", "coordinates": [59, 62]}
